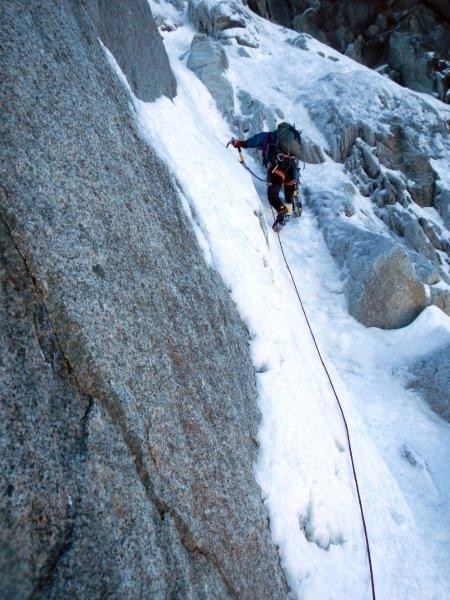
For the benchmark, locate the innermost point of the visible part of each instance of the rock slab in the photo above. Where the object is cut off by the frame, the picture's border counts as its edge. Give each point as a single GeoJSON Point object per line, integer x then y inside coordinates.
{"type": "Point", "coordinates": [128, 415]}
{"type": "Point", "coordinates": [432, 380]}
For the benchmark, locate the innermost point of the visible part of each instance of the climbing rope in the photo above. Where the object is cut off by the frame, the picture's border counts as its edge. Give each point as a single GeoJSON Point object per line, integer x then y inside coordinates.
{"type": "Point", "coordinates": [244, 164]}
{"type": "Point", "coordinates": [355, 477]}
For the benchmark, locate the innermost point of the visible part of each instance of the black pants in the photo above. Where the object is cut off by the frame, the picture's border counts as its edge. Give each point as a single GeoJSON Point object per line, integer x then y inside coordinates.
{"type": "Point", "coordinates": [283, 172]}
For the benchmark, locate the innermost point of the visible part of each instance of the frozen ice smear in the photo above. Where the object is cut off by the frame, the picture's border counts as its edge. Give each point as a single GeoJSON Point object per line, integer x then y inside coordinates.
{"type": "Point", "coordinates": [401, 448]}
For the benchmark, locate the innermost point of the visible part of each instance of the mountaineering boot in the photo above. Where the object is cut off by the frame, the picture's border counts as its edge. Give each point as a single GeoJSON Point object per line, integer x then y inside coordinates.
{"type": "Point", "coordinates": [282, 218]}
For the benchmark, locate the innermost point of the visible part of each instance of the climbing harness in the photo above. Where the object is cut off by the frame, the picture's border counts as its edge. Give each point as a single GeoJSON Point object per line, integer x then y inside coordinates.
{"type": "Point", "coordinates": [355, 477]}
{"type": "Point", "coordinates": [296, 206]}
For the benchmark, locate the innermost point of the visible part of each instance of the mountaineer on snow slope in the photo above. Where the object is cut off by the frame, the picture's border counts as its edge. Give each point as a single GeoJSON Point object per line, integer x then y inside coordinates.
{"type": "Point", "coordinates": [280, 153]}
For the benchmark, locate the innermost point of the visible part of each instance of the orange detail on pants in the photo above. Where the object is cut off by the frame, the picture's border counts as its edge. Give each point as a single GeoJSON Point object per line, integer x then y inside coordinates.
{"type": "Point", "coordinates": [279, 173]}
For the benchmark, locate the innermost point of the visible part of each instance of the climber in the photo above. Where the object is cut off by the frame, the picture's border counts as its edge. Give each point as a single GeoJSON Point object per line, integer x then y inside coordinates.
{"type": "Point", "coordinates": [280, 153]}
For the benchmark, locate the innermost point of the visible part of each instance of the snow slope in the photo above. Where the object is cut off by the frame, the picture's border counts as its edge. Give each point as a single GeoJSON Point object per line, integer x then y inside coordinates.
{"type": "Point", "coordinates": [401, 449]}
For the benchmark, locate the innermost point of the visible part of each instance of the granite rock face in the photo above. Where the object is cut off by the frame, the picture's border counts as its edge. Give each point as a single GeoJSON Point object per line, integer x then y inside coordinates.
{"type": "Point", "coordinates": [441, 203]}
{"type": "Point", "coordinates": [382, 287]}
{"type": "Point", "coordinates": [441, 299]}
{"type": "Point", "coordinates": [432, 380]}
{"type": "Point", "coordinates": [208, 60]}
{"type": "Point", "coordinates": [128, 420]}
{"type": "Point", "coordinates": [407, 40]}
{"type": "Point", "coordinates": [128, 31]}
{"type": "Point", "coordinates": [223, 20]}
{"type": "Point", "coordinates": [382, 290]}
{"type": "Point", "coordinates": [390, 161]}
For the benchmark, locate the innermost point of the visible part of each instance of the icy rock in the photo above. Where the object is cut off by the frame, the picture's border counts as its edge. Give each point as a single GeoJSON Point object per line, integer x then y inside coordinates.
{"type": "Point", "coordinates": [413, 232]}
{"type": "Point", "coordinates": [397, 147]}
{"type": "Point", "coordinates": [385, 192]}
{"type": "Point", "coordinates": [208, 60]}
{"type": "Point", "coordinates": [128, 408]}
{"type": "Point", "coordinates": [242, 36]}
{"type": "Point", "coordinates": [310, 151]}
{"type": "Point", "coordinates": [389, 215]}
{"type": "Point", "coordinates": [381, 288]}
{"type": "Point", "coordinates": [341, 136]}
{"type": "Point", "coordinates": [432, 379]}
{"type": "Point", "coordinates": [256, 116]}
{"type": "Point", "coordinates": [383, 70]}
{"type": "Point", "coordinates": [299, 41]}
{"type": "Point", "coordinates": [398, 182]}
{"type": "Point", "coordinates": [409, 52]}
{"type": "Point", "coordinates": [206, 52]}
{"type": "Point", "coordinates": [441, 299]}
{"type": "Point", "coordinates": [395, 142]}
{"type": "Point", "coordinates": [441, 203]}
{"type": "Point", "coordinates": [383, 291]}
{"type": "Point", "coordinates": [249, 104]}
{"type": "Point", "coordinates": [222, 19]}
{"type": "Point", "coordinates": [279, 12]}
{"type": "Point", "coordinates": [434, 235]}
{"type": "Point", "coordinates": [130, 34]}
{"type": "Point", "coordinates": [328, 206]}
{"type": "Point", "coordinates": [424, 258]}
{"type": "Point", "coordinates": [418, 169]}
{"type": "Point", "coordinates": [356, 49]}
{"type": "Point", "coordinates": [425, 271]}
{"type": "Point", "coordinates": [385, 186]}
{"type": "Point", "coordinates": [413, 65]}
{"type": "Point", "coordinates": [400, 150]}
{"type": "Point", "coordinates": [308, 22]}
{"type": "Point", "coordinates": [381, 35]}
{"type": "Point", "coordinates": [370, 162]}
{"type": "Point", "coordinates": [215, 17]}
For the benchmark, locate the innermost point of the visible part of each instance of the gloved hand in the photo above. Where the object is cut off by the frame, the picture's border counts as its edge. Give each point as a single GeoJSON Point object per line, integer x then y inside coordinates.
{"type": "Point", "coordinates": [237, 143]}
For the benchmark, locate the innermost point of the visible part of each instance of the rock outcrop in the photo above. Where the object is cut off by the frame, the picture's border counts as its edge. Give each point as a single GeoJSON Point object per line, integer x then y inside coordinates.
{"type": "Point", "coordinates": [128, 415]}
{"type": "Point", "coordinates": [407, 40]}
{"type": "Point", "coordinates": [432, 380]}
{"type": "Point", "coordinates": [127, 29]}
{"type": "Point", "coordinates": [441, 203]}
{"type": "Point", "coordinates": [208, 60]}
{"type": "Point", "coordinates": [381, 285]}
{"type": "Point", "coordinates": [390, 162]}
{"type": "Point", "coordinates": [223, 21]}
{"type": "Point", "coordinates": [382, 290]}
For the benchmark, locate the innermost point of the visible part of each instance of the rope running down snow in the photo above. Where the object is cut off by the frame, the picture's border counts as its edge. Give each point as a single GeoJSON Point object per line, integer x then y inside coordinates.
{"type": "Point", "coordinates": [355, 477]}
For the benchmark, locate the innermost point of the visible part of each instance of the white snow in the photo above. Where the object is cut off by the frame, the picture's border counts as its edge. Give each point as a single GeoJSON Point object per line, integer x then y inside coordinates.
{"type": "Point", "coordinates": [401, 448]}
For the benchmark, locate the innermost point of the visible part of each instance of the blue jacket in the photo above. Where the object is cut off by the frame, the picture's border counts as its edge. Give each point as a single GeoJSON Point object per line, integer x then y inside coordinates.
{"type": "Point", "coordinates": [266, 142]}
